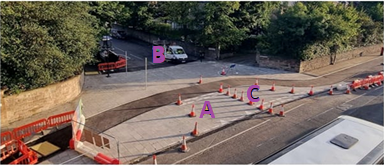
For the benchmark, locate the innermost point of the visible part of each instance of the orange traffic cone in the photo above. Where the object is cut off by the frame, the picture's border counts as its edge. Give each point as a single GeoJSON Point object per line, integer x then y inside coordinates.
{"type": "Point", "coordinates": [250, 103]}
{"type": "Point", "coordinates": [330, 90]}
{"type": "Point", "coordinates": [235, 94]}
{"type": "Point", "coordinates": [261, 107]}
{"type": "Point", "coordinates": [242, 96]}
{"type": "Point", "coordinates": [293, 89]}
{"type": "Point", "coordinates": [201, 79]}
{"type": "Point", "coordinates": [179, 102]}
{"type": "Point", "coordinates": [192, 114]}
{"type": "Point", "coordinates": [154, 160]}
{"type": "Point", "coordinates": [229, 91]}
{"type": "Point", "coordinates": [184, 147]}
{"type": "Point", "coordinates": [281, 114]}
{"type": "Point", "coordinates": [257, 82]}
{"type": "Point", "coordinates": [311, 91]}
{"type": "Point", "coordinates": [195, 132]}
{"type": "Point", "coordinates": [223, 72]}
{"type": "Point", "coordinates": [270, 110]}
{"type": "Point", "coordinates": [348, 90]}
{"type": "Point", "coordinates": [221, 88]}
{"type": "Point", "coordinates": [273, 87]}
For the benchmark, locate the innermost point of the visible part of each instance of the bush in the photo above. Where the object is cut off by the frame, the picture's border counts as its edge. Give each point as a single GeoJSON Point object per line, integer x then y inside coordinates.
{"type": "Point", "coordinates": [44, 42]}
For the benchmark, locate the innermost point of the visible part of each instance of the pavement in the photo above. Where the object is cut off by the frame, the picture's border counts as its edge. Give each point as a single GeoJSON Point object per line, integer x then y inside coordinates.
{"type": "Point", "coordinates": [164, 127]}
{"type": "Point", "coordinates": [260, 134]}
{"type": "Point", "coordinates": [68, 157]}
{"type": "Point", "coordinates": [104, 96]}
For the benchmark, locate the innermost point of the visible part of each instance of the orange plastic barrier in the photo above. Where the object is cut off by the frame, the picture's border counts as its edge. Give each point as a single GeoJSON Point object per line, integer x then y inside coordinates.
{"type": "Point", "coordinates": [6, 137]}
{"type": "Point", "coordinates": [29, 129]}
{"type": "Point", "coordinates": [60, 119]}
{"type": "Point", "coordinates": [120, 63]}
{"type": "Point", "coordinates": [29, 157]}
{"type": "Point", "coordinates": [103, 159]}
{"type": "Point", "coordinates": [9, 149]}
{"type": "Point", "coordinates": [356, 84]}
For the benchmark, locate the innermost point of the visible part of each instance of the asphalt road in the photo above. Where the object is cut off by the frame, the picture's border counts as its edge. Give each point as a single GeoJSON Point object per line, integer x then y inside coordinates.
{"type": "Point", "coordinates": [137, 51]}
{"type": "Point", "coordinates": [257, 137]}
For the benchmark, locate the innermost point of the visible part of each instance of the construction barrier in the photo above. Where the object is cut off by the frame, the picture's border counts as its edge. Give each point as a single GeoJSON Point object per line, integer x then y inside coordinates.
{"type": "Point", "coordinates": [9, 149]}
{"type": "Point", "coordinates": [29, 129]}
{"type": "Point", "coordinates": [356, 84]}
{"type": "Point", "coordinates": [113, 65]}
{"type": "Point", "coordinates": [60, 119]}
{"type": "Point", "coordinates": [6, 137]}
{"type": "Point", "coordinates": [102, 148]}
{"type": "Point", "coordinates": [29, 157]}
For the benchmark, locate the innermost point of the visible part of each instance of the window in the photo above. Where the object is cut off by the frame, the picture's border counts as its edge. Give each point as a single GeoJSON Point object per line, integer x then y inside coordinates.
{"type": "Point", "coordinates": [179, 51]}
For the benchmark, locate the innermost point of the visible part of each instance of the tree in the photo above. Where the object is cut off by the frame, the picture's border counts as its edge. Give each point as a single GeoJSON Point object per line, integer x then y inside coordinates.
{"type": "Point", "coordinates": [183, 13]}
{"type": "Point", "coordinates": [311, 24]}
{"type": "Point", "coordinates": [254, 16]}
{"type": "Point", "coordinates": [373, 9]}
{"type": "Point", "coordinates": [44, 42]}
{"type": "Point", "coordinates": [218, 27]}
{"type": "Point", "coordinates": [142, 14]}
{"type": "Point", "coordinates": [108, 12]}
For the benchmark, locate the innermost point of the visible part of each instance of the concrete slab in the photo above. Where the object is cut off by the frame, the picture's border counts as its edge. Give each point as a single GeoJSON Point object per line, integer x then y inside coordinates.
{"type": "Point", "coordinates": [164, 127]}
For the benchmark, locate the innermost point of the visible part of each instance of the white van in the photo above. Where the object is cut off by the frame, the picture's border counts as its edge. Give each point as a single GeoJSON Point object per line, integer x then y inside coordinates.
{"type": "Point", "coordinates": [175, 53]}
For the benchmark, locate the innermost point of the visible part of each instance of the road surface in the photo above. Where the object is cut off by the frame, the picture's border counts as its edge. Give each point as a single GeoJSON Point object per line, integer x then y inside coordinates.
{"type": "Point", "coordinates": [252, 140]}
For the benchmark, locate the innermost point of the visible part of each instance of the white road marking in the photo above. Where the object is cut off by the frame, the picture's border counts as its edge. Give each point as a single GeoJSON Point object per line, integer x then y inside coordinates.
{"type": "Point", "coordinates": [72, 159]}
{"type": "Point", "coordinates": [294, 108]}
{"type": "Point", "coordinates": [358, 96]}
{"type": "Point", "coordinates": [221, 142]}
{"type": "Point", "coordinates": [367, 102]}
{"type": "Point", "coordinates": [323, 112]}
{"type": "Point", "coordinates": [136, 57]}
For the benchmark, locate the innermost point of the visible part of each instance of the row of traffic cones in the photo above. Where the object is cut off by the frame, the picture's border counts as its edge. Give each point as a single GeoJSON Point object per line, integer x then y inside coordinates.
{"type": "Point", "coordinates": [228, 93]}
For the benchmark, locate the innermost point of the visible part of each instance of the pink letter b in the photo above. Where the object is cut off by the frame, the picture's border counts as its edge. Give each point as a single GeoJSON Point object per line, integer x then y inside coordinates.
{"type": "Point", "coordinates": [158, 54]}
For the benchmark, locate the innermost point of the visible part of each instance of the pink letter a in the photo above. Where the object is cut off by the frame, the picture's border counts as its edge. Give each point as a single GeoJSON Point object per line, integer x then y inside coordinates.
{"type": "Point", "coordinates": [207, 109]}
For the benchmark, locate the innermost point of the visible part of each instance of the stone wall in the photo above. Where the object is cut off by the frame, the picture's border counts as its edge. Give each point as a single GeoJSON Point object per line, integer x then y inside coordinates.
{"type": "Point", "coordinates": [278, 63]}
{"type": "Point", "coordinates": [303, 66]}
{"type": "Point", "coordinates": [26, 104]}
{"type": "Point", "coordinates": [325, 61]}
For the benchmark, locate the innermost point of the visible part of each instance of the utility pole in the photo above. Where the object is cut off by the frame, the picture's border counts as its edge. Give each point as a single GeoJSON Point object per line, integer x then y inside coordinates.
{"type": "Point", "coordinates": [146, 73]}
{"type": "Point", "coordinates": [126, 63]}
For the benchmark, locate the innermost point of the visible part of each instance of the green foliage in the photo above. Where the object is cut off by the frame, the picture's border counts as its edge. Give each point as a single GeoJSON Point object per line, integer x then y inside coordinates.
{"type": "Point", "coordinates": [254, 16]}
{"type": "Point", "coordinates": [373, 9]}
{"type": "Point", "coordinates": [44, 42]}
{"type": "Point", "coordinates": [219, 29]}
{"type": "Point", "coordinates": [108, 12]}
{"type": "Point", "coordinates": [142, 15]}
{"type": "Point", "coordinates": [307, 29]}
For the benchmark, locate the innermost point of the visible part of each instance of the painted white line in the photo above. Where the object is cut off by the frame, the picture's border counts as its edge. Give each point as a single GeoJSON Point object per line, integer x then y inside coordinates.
{"type": "Point", "coordinates": [120, 49]}
{"type": "Point", "coordinates": [358, 96]}
{"type": "Point", "coordinates": [367, 102]}
{"type": "Point", "coordinates": [348, 67]}
{"type": "Point", "coordinates": [201, 151]}
{"type": "Point", "coordinates": [323, 112]}
{"type": "Point", "coordinates": [294, 108]}
{"type": "Point", "coordinates": [137, 57]}
{"type": "Point", "coordinates": [72, 159]}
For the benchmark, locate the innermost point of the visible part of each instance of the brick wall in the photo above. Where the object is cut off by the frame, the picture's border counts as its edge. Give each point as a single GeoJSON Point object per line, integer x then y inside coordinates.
{"type": "Point", "coordinates": [303, 66]}
{"type": "Point", "coordinates": [325, 61]}
{"type": "Point", "coordinates": [278, 63]}
{"type": "Point", "coordinates": [25, 104]}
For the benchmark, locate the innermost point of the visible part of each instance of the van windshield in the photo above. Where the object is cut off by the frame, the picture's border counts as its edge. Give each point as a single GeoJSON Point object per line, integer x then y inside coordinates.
{"type": "Point", "coordinates": [179, 51]}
